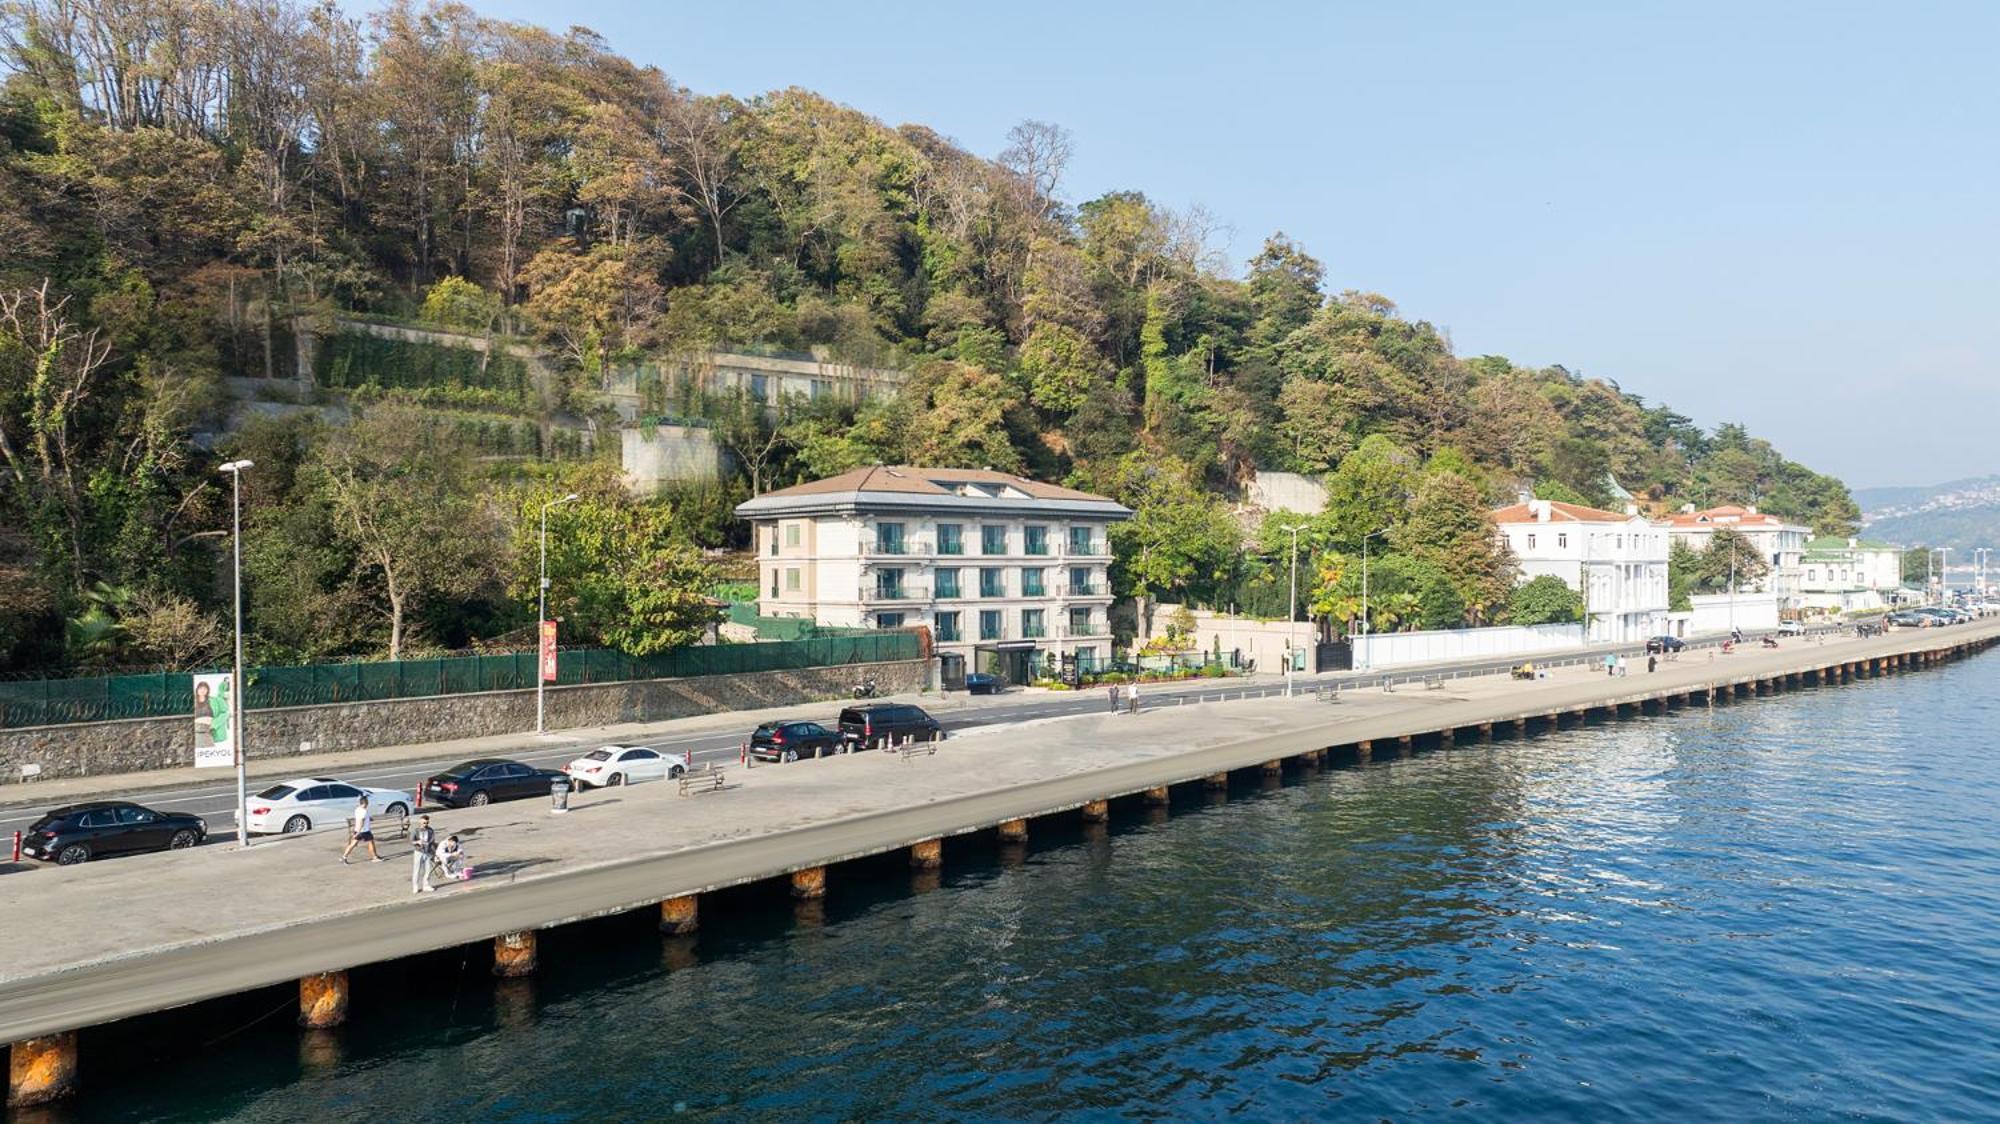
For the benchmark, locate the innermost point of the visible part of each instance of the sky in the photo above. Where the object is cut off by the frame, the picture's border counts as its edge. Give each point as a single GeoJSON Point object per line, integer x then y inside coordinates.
{"type": "Point", "coordinates": [1780, 214]}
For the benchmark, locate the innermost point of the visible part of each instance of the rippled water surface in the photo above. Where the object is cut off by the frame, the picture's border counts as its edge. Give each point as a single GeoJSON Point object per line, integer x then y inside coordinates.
{"type": "Point", "coordinates": [1783, 909]}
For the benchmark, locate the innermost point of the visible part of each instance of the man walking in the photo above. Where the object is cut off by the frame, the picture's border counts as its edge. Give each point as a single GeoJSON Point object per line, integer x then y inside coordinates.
{"type": "Point", "coordinates": [364, 832]}
{"type": "Point", "coordinates": [1114, 698]}
{"type": "Point", "coordinates": [1132, 697]}
{"type": "Point", "coordinates": [424, 856]}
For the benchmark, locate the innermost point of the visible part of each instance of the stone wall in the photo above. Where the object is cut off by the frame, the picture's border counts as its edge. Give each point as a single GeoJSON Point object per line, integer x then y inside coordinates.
{"type": "Point", "coordinates": [96, 748]}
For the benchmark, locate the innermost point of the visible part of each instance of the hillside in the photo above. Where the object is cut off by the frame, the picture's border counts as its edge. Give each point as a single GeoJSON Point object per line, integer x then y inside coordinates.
{"type": "Point", "coordinates": [1961, 514]}
{"type": "Point", "coordinates": [181, 197]}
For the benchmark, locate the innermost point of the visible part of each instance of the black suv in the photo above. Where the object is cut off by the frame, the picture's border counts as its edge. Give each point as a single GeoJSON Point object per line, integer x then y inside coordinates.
{"type": "Point", "coordinates": [87, 831]}
{"type": "Point", "coordinates": [791, 740]}
{"type": "Point", "coordinates": [872, 727]}
{"type": "Point", "coordinates": [1662, 645]}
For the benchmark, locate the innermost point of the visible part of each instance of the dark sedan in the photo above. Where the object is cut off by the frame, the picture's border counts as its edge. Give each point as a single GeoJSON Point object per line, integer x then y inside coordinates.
{"type": "Point", "coordinates": [1661, 645]}
{"type": "Point", "coordinates": [791, 739]}
{"type": "Point", "coordinates": [82, 832]}
{"type": "Point", "coordinates": [984, 683]}
{"type": "Point", "coordinates": [486, 781]}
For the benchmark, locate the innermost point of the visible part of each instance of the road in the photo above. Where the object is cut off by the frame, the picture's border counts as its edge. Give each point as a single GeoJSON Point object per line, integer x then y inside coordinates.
{"type": "Point", "coordinates": [216, 802]}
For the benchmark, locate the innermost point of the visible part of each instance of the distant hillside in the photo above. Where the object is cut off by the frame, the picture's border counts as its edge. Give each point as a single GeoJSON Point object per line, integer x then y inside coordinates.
{"type": "Point", "coordinates": [1960, 513]}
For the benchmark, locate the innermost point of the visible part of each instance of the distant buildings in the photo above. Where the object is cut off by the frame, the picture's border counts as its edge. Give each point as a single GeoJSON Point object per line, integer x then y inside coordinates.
{"type": "Point", "coordinates": [1845, 575]}
{"type": "Point", "coordinates": [1617, 561]}
{"type": "Point", "coordinates": [1782, 544]}
{"type": "Point", "coordinates": [1007, 572]}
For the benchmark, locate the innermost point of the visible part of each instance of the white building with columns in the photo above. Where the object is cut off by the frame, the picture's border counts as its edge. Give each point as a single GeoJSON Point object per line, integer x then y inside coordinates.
{"type": "Point", "coordinates": [1008, 573]}
{"type": "Point", "coordinates": [1783, 544]}
{"type": "Point", "coordinates": [1617, 561]}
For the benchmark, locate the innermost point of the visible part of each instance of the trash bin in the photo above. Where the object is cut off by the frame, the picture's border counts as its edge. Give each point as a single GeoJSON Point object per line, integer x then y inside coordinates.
{"type": "Point", "coordinates": [558, 795]}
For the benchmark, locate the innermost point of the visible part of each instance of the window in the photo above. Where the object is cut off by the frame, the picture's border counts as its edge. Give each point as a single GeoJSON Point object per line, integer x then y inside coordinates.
{"type": "Point", "coordinates": [889, 585]}
{"type": "Point", "coordinates": [989, 624]}
{"type": "Point", "coordinates": [342, 792]}
{"type": "Point", "coordinates": [1079, 622]}
{"type": "Point", "coordinates": [316, 792]}
{"type": "Point", "coordinates": [791, 534]}
{"type": "Point", "coordinates": [103, 817]}
{"type": "Point", "coordinates": [947, 583]}
{"type": "Point", "coordinates": [992, 540]}
{"type": "Point", "coordinates": [951, 538]}
{"type": "Point", "coordinates": [1031, 624]}
{"type": "Point", "coordinates": [888, 620]}
{"type": "Point", "coordinates": [1079, 582]}
{"type": "Point", "coordinates": [1031, 582]}
{"type": "Point", "coordinates": [774, 582]}
{"type": "Point", "coordinates": [774, 542]}
{"type": "Point", "coordinates": [947, 628]}
{"type": "Point", "coordinates": [889, 538]}
{"type": "Point", "coordinates": [1531, 542]}
{"type": "Point", "coordinates": [792, 579]}
{"type": "Point", "coordinates": [134, 816]}
{"type": "Point", "coordinates": [992, 582]}
{"type": "Point", "coordinates": [1079, 541]}
{"type": "Point", "coordinates": [515, 772]}
{"type": "Point", "coordinates": [640, 755]}
{"type": "Point", "coordinates": [1037, 540]}
{"type": "Point", "coordinates": [1562, 542]}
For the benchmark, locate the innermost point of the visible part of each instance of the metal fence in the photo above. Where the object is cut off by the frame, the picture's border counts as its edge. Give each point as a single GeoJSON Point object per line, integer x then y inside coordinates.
{"type": "Point", "coordinates": [52, 702]}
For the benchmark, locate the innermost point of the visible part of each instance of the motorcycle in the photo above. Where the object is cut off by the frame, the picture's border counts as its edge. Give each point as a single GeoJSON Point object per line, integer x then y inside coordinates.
{"type": "Point", "coordinates": [865, 689]}
{"type": "Point", "coordinates": [1770, 641]}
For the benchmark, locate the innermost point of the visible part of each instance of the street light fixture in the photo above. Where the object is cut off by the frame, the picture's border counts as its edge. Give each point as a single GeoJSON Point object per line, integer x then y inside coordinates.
{"type": "Point", "coordinates": [542, 608]}
{"type": "Point", "coordinates": [235, 470]}
{"type": "Point", "coordinates": [1292, 622]}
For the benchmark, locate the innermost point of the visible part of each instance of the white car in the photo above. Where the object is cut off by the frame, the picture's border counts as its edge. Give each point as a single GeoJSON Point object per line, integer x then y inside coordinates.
{"type": "Point", "coordinates": [1791, 628]}
{"type": "Point", "coordinates": [625, 764]}
{"type": "Point", "coordinates": [311, 803]}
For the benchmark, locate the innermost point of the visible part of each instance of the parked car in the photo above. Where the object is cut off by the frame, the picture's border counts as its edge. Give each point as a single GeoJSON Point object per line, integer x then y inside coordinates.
{"type": "Point", "coordinates": [790, 739]}
{"type": "Point", "coordinates": [1661, 645]}
{"type": "Point", "coordinates": [485, 781]}
{"type": "Point", "coordinates": [613, 765]}
{"type": "Point", "coordinates": [1909, 618]}
{"type": "Point", "coordinates": [1791, 628]}
{"type": "Point", "coordinates": [82, 832]}
{"type": "Point", "coordinates": [305, 803]}
{"type": "Point", "coordinates": [1938, 615]}
{"type": "Point", "coordinates": [872, 727]}
{"type": "Point", "coordinates": [984, 683]}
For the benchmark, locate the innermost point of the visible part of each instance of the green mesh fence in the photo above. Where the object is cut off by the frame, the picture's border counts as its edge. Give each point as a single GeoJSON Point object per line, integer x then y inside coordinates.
{"type": "Point", "coordinates": [54, 702]}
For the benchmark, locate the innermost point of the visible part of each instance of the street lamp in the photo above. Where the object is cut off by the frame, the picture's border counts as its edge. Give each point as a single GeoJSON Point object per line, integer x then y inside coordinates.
{"type": "Point", "coordinates": [235, 470]}
{"type": "Point", "coordinates": [1365, 627]}
{"type": "Point", "coordinates": [1944, 574]}
{"type": "Point", "coordinates": [542, 607]}
{"type": "Point", "coordinates": [1292, 622]}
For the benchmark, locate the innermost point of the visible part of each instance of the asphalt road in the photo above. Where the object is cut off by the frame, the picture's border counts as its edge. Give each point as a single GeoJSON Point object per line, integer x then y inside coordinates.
{"type": "Point", "coordinates": [216, 802]}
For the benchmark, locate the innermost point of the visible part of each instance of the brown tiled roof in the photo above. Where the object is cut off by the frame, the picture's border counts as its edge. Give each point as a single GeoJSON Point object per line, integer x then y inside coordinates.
{"type": "Point", "coordinates": [927, 482]}
{"type": "Point", "coordinates": [1728, 515]}
{"type": "Point", "coordinates": [1559, 512]}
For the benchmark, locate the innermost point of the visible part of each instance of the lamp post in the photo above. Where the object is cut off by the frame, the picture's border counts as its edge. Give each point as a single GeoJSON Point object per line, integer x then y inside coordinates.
{"type": "Point", "coordinates": [1944, 574]}
{"type": "Point", "coordinates": [235, 470]}
{"type": "Point", "coordinates": [542, 607]}
{"type": "Point", "coordinates": [1365, 627]}
{"type": "Point", "coordinates": [1292, 622]}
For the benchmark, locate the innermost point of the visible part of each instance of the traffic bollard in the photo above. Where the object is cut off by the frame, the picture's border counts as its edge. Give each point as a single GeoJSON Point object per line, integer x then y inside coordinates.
{"type": "Point", "coordinates": [17, 846]}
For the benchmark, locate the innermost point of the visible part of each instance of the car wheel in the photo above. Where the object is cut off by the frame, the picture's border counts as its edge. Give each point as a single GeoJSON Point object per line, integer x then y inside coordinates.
{"type": "Point", "coordinates": [297, 824]}
{"type": "Point", "coordinates": [480, 800]}
{"type": "Point", "coordinates": [674, 773]}
{"type": "Point", "coordinates": [182, 840]}
{"type": "Point", "coordinates": [73, 854]}
{"type": "Point", "coordinates": [790, 756]}
{"type": "Point", "coordinates": [614, 780]}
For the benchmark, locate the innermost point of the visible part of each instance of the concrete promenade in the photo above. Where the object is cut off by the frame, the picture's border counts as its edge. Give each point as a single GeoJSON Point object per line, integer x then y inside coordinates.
{"type": "Point", "coordinates": [144, 934]}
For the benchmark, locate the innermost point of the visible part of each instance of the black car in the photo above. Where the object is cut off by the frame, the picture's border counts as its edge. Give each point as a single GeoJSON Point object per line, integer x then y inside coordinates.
{"type": "Point", "coordinates": [1909, 618]}
{"type": "Point", "coordinates": [872, 727]}
{"type": "Point", "coordinates": [1661, 645]}
{"type": "Point", "coordinates": [487, 780]}
{"type": "Point", "coordinates": [984, 683]}
{"type": "Point", "coordinates": [791, 739]}
{"type": "Point", "coordinates": [82, 832]}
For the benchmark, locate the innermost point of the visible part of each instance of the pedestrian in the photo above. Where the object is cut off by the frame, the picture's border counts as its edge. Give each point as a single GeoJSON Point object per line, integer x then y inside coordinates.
{"type": "Point", "coordinates": [423, 856]}
{"type": "Point", "coordinates": [1114, 698]}
{"type": "Point", "coordinates": [451, 860]}
{"type": "Point", "coordinates": [1610, 665]}
{"type": "Point", "coordinates": [363, 831]}
{"type": "Point", "coordinates": [1652, 664]}
{"type": "Point", "coordinates": [1132, 697]}
{"type": "Point", "coordinates": [1621, 667]}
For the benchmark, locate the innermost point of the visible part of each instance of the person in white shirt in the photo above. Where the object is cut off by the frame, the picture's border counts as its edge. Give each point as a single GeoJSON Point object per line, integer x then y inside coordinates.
{"type": "Point", "coordinates": [364, 831]}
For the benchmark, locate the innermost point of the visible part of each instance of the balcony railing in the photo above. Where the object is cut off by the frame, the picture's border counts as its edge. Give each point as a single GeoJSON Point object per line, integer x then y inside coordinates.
{"type": "Point", "coordinates": [900, 548]}
{"type": "Point", "coordinates": [873, 593]}
{"type": "Point", "coordinates": [956, 547]}
{"type": "Point", "coordinates": [950, 592]}
{"type": "Point", "coordinates": [1033, 590]}
{"type": "Point", "coordinates": [1094, 548]}
{"type": "Point", "coordinates": [1033, 632]}
{"type": "Point", "coordinates": [992, 590]}
{"type": "Point", "coordinates": [1075, 631]}
{"type": "Point", "coordinates": [1087, 589]}
{"type": "Point", "coordinates": [1037, 549]}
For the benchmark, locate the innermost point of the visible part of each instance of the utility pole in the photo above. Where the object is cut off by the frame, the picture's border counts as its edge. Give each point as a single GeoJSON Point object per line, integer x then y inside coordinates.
{"type": "Point", "coordinates": [542, 607]}
{"type": "Point", "coordinates": [1365, 627]}
{"type": "Point", "coordinates": [235, 470]}
{"type": "Point", "coordinates": [1292, 622]}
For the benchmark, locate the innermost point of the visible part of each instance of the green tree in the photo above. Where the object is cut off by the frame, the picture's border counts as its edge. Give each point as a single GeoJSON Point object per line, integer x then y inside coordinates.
{"type": "Point", "coordinates": [1683, 574]}
{"type": "Point", "coordinates": [1180, 543]}
{"type": "Point", "coordinates": [1545, 600]}
{"type": "Point", "coordinates": [457, 303]}
{"type": "Point", "coordinates": [1370, 491]}
{"type": "Point", "coordinates": [1729, 554]}
{"type": "Point", "coordinates": [1450, 529]}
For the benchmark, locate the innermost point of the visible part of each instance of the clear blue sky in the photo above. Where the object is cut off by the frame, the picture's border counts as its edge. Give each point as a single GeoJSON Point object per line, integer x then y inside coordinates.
{"type": "Point", "coordinates": [1780, 214]}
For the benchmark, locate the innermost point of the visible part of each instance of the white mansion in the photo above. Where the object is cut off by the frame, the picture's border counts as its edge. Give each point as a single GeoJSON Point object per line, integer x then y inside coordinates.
{"type": "Point", "coordinates": [1006, 572]}
{"type": "Point", "coordinates": [1618, 561]}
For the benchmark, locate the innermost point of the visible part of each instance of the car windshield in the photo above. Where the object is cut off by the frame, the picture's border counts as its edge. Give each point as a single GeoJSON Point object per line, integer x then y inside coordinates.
{"type": "Point", "coordinates": [598, 755]}
{"type": "Point", "coordinates": [276, 792]}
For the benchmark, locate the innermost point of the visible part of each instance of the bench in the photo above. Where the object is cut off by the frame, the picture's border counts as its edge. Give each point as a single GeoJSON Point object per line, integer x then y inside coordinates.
{"type": "Point", "coordinates": [708, 778]}
{"type": "Point", "coordinates": [1328, 694]}
{"type": "Point", "coordinates": [911, 748]}
{"type": "Point", "coordinates": [1434, 683]}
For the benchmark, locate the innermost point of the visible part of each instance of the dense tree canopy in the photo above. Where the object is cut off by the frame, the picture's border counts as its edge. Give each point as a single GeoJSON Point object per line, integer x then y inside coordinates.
{"type": "Point", "coordinates": [184, 186]}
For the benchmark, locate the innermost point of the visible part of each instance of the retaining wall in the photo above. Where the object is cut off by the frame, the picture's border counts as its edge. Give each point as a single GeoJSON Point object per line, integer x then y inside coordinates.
{"type": "Point", "coordinates": [95, 748]}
